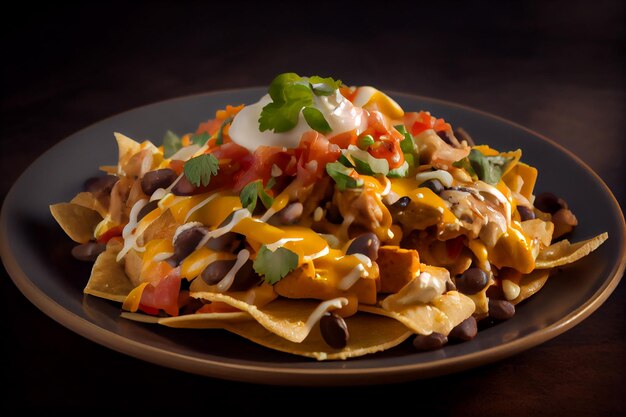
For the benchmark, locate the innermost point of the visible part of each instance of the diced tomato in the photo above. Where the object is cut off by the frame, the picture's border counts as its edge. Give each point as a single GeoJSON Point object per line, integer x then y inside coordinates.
{"type": "Point", "coordinates": [343, 140]}
{"type": "Point", "coordinates": [177, 166]}
{"type": "Point", "coordinates": [418, 122]}
{"type": "Point", "coordinates": [149, 310]}
{"type": "Point", "coordinates": [210, 127]}
{"type": "Point", "coordinates": [389, 150]}
{"type": "Point", "coordinates": [163, 294]}
{"type": "Point", "coordinates": [230, 151]}
{"type": "Point", "coordinates": [261, 163]}
{"type": "Point", "coordinates": [111, 233]}
{"type": "Point", "coordinates": [348, 92]}
{"type": "Point", "coordinates": [316, 147]}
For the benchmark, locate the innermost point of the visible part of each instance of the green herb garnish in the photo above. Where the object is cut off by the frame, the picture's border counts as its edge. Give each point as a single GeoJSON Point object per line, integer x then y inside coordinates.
{"type": "Point", "coordinates": [341, 174]}
{"type": "Point", "coordinates": [292, 94]}
{"type": "Point", "coordinates": [485, 168]}
{"type": "Point", "coordinates": [274, 265]}
{"type": "Point", "coordinates": [199, 170]}
{"type": "Point", "coordinates": [200, 139]}
{"type": "Point", "coordinates": [254, 191]}
{"type": "Point", "coordinates": [171, 144]}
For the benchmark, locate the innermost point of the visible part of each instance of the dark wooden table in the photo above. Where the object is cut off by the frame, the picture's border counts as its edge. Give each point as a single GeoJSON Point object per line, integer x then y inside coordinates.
{"type": "Point", "coordinates": [551, 66]}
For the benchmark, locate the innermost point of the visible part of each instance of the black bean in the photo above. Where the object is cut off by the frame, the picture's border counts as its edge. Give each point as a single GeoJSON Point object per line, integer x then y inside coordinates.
{"type": "Point", "coordinates": [334, 330]}
{"type": "Point", "coordinates": [495, 291]}
{"type": "Point", "coordinates": [225, 243]}
{"type": "Point", "coordinates": [464, 331]}
{"type": "Point", "coordinates": [525, 213]}
{"type": "Point", "coordinates": [217, 270]}
{"type": "Point", "coordinates": [245, 278]}
{"type": "Point", "coordinates": [450, 286]}
{"type": "Point", "coordinates": [147, 209]}
{"type": "Point", "coordinates": [432, 341]}
{"type": "Point", "coordinates": [290, 214]}
{"type": "Point", "coordinates": [472, 281]}
{"type": "Point", "coordinates": [88, 251]}
{"type": "Point", "coordinates": [101, 185]}
{"type": "Point", "coordinates": [160, 178]}
{"type": "Point", "coordinates": [367, 244]}
{"type": "Point", "coordinates": [435, 185]}
{"type": "Point", "coordinates": [402, 203]}
{"type": "Point", "coordinates": [549, 203]}
{"type": "Point", "coordinates": [501, 309]}
{"type": "Point", "coordinates": [187, 240]}
{"type": "Point", "coordinates": [184, 187]}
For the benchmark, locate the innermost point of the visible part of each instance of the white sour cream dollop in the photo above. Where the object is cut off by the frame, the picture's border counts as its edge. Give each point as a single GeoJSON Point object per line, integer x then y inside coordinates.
{"type": "Point", "coordinates": [339, 112]}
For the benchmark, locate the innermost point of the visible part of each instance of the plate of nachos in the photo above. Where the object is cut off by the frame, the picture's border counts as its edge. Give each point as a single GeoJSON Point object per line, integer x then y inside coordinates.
{"type": "Point", "coordinates": [313, 231]}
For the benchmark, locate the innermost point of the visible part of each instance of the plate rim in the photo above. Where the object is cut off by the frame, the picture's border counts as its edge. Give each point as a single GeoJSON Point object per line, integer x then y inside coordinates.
{"type": "Point", "coordinates": [273, 373]}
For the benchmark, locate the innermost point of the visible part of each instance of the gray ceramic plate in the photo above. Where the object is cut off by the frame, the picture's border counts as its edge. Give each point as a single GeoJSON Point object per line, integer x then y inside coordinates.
{"type": "Point", "coordinates": [45, 272]}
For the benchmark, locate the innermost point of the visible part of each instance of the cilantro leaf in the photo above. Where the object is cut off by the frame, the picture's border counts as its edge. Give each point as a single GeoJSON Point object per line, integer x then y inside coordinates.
{"type": "Point", "coordinates": [274, 265]}
{"type": "Point", "coordinates": [199, 170]}
{"type": "Point", "coordinates": [280, 117]}
{"type": "Point", "coordinates": [200, 139]}
{"type": "Point", "coordinates": [253, 191]}
{"type": "Point", "coordinates": [291, 94]}
{"type": "Point", "coordinates": [278, 84]}
{"type": "Point", "coordinates": [324, 86]}
{"type": "Point", "coordinates": [171, 144]}
{"type": "Point", "coordinates": [316, 120]}
{"type": "Point", "coordinates": [248, 196]}
{"type": "Point", "coordinates": [486, 168]}
{"type": "Point", "coordinates": [341, 175]}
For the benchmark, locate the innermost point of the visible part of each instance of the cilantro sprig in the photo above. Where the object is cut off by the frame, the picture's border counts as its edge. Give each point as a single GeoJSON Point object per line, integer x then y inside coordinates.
{"type": "Point", "coordinates": [254, 191]}
{"type": "Point", "coordinates": [485, 168]}
{"type": "Point", "coordinates": [199, 170]}
{"type": "Point", "coordinates": [274, 265]}
{"type": "Point", "coordinates": [292, 94]}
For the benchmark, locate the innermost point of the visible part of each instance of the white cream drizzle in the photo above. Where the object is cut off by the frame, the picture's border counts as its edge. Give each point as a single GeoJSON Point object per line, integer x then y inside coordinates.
{"type": "Point", "coordinates": [281, 242]}
{"type": "Point", "coordinates": [130, 232]}
{"type": "Point", "coordinates": [322, 308]}
{"type": "Point", "coordinates": [237, 217]}
{"type": "Point", "coordinates": [159, 193]}
{"type": "Point", "coordinates": [200, 205]}
{"type": "Point", "coordinates": [229, 278]}
{"type": "Point", "coordinates": [443, 176]}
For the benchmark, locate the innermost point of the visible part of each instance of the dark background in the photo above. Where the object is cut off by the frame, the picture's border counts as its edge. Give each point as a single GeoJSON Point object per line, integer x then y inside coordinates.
{"type": "Point", "coordinates": [555, 67]}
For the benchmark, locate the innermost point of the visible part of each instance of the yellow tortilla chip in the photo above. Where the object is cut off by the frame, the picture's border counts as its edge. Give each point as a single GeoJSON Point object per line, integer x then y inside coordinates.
{"type": "Point", "coordinates": [163, 227]}
{"type": "Point", "coordinates": [126, 148]}
{"type": "Point", "coordinates": [564, 252]}
{"type": "Point", "coordinates": [441, 315]}
{"type": "Point", "coordinates": [87, 199]}
{"type": "Point", "coordinates": [108, 279]}
{"type": "Point", "coordinates": [531, 283]}
{"type": "Point", "coordinates": [368, 334]}
{"type": "Point", "coordinates": [290, 319]}
{"type": "Point", "coordinates": [191, 321]}
{"type": "Point", "coordinates": [77, 222]}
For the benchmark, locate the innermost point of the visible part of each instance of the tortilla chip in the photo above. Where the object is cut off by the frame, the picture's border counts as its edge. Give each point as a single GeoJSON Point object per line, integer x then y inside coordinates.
{"type": "Point", "coordinates": [564, 252]}
{"type": "Point", "coordinates": [77, 222]}
{"type": "Point", "coordinates": [283, 317]}
{"type": "Point", "coordinates": [108, 279]}
{"type": "Point", "coordinates": [531, 283]}
{"type": "Point", "coordinates": [87, 199]}
{"type": "Point", "coordinates": [126, 148]}
{"type": "Point", "coordinates": [441, 315]}
{"type": "Point", "coordinates": [163, 227]}
{"type": "Point", "coordinates": [368, 334]}
{"type": "Point", "coordinates": [191, 321]}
